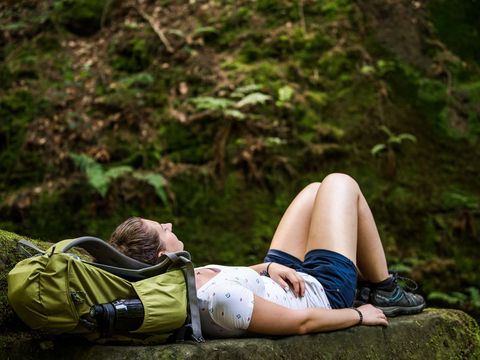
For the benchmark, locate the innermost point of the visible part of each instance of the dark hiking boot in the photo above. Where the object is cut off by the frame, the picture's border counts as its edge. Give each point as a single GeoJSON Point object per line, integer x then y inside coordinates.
{"type": "Point", "coordinates": [396, 301]}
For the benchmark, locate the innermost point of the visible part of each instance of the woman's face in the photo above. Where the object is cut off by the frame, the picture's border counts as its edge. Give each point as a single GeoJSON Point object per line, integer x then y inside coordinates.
{"type": "Point", "coordinates": [166, 236]}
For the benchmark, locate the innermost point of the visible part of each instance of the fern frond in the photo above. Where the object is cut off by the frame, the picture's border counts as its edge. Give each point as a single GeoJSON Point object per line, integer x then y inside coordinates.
{"type": "Point", "coordinates": [377, 149]}
{"type": "Point", "coordinates": [253, 99]}
{"type": "Point", "coordinates": [157, 181]}
{"type": "Point", "coordinates": [244, 90]}
{"type": "Point", "coordinates": [211, 103]}
{"type": "Point", "coordinates": [117, 171]}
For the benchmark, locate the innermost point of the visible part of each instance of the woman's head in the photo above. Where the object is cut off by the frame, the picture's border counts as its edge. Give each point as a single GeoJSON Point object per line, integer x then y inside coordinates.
{"type": "Point", "coordinates": [145, 240]}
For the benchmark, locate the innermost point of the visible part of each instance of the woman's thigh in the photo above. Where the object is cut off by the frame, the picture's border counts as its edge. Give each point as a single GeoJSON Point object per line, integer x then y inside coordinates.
{"type": "Point", "coordinates": [291, 235]}
{"type": "Point", "coordinates": [334, 219]}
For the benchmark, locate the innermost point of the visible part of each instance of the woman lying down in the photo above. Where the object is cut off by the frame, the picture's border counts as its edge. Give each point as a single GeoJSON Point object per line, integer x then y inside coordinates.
{"type": "Point", "coordinates": [326, 239]}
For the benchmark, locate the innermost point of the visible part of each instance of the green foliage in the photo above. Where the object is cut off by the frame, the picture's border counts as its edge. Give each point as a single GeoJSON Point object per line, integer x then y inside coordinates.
{"type": "Point", "coordinates": [318, 98]}
{"type": "Point", "coordinates": [392, 140]}
{"type": "Point", "coordinates": [471, 299]}
{"type": "Point", "coordinates": [333, 8]}
{"type": "Point", "coordinates": [211, 103]}
{"type": "Point", "coordinates": [204, 30]}
{"type": "Point", "coordinates": [241, 91]}
{"type": "Point", "coordinates": [253, 99]}
{"type": "Point", "coordinates": [157, 181]}
{"type": "Point", "coordinates": [431, 90]}
{"type": "Point", "coordinates": [100, 179]}
{"type": "Point", "coordinates": [249, 97]}
{"type": "Point", "coordinates": [456, 200]}
{"type": "Point", "coordinates": [139, 80]}
{"type": "Point", "coordinates": [97, 177]}
{"type": "Point", "coordinates": [471, 89]}
{"type": "Point", "coordinates": [285, 94]}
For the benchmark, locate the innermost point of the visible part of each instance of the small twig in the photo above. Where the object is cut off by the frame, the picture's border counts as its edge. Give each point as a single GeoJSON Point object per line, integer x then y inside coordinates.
{"type": "Point", "coordinates": [155, 26]}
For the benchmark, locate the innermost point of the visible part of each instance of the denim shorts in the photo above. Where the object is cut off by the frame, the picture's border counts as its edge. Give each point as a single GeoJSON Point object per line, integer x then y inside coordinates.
{"type": "Point", "coordinates": [334, 271]}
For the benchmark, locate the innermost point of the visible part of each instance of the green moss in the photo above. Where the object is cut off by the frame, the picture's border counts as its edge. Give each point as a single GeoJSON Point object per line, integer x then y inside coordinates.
{"type": "Point", "coordinates": [8, 258]}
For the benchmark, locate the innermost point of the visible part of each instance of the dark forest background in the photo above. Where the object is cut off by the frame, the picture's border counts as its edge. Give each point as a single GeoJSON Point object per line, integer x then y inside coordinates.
{"type": "Point", "coordinates": [214, 114]}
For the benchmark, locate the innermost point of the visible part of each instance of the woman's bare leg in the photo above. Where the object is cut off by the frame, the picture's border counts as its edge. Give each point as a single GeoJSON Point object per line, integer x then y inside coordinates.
{"type": "Point", "coordinates": [335, 216]}
{"type": "Point", "coordinates": [291, 235]}
{"type": "Point", "coordinates": [369, 246]}
{"type": "Point", "coordinates": [341, 221]}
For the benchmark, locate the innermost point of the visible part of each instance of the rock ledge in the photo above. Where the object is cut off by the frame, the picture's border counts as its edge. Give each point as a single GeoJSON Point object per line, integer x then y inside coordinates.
{"type": "Point", "coordinates": [433, 334]}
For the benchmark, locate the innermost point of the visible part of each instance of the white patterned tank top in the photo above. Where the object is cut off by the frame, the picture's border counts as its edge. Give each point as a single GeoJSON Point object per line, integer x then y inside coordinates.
{"type": "Point", "coordinates": [226, 300]}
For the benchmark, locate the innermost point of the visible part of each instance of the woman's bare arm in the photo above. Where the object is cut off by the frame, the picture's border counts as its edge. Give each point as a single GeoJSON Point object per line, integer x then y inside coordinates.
{"type": "Point", "coordinates": [270, 318]}
{"type": "Point", "coordinates": [283, 276]}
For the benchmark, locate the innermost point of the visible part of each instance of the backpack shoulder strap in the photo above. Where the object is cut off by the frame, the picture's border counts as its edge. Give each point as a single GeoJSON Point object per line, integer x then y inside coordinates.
{"type": "Point", "coordinates": [192, 300]}
{"type": "Point", "coordinates": [166, 262]}
{"type": "Point", "coordinates": [182, 260]}
{"type": "Point", "coordinates": [104, 253]}
{"type": "Point", "coordinates": [23, 245]}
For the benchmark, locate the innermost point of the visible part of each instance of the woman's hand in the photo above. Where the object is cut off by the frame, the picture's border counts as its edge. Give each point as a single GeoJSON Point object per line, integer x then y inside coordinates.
{"type": "Point", "coordinates": [372, 315]}
{"type": "Point", "coordinates": [287, 278]}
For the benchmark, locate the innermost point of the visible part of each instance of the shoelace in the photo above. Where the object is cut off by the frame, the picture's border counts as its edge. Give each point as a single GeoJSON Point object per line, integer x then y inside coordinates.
{"type": "Point", "coordinates": [407, 282]}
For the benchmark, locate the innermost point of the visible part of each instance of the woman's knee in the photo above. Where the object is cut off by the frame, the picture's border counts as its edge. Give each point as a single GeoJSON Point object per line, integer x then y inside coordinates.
{"type": "Point", "coordinates": [313, 187]}
{"type": "Point", "coordinates": [340, 180]}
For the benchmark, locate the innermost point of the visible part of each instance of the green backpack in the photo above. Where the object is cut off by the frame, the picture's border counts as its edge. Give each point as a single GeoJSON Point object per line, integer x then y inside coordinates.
{"type": "Point", "coordinates": [113, 298]}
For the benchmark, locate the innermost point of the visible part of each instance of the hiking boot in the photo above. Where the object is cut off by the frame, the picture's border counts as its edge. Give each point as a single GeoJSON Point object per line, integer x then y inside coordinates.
{"type": "Point", "coordinates": [396, 301]}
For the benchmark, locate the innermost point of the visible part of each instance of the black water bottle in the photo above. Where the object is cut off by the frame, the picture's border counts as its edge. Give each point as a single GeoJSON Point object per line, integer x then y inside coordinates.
{"type": "Point", "coordinates": [118, 316]}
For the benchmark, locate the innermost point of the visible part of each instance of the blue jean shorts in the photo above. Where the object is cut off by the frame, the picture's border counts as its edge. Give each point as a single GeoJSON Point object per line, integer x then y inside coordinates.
{"type": "Point", "coordinates": [334, 271]}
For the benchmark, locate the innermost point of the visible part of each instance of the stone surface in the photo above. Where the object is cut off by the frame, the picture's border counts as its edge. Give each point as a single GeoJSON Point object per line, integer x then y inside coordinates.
{"type": "Point", "coordinates": [433, 334]}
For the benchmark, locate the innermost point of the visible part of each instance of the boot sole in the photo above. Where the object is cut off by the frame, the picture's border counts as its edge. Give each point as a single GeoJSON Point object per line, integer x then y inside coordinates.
{"type": "Point", "coordinates": [392, 311]}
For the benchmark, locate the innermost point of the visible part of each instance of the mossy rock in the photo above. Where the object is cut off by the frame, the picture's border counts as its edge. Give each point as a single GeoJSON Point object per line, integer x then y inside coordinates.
{"type": "Point", "coordinates": [12, 329]}
{"type": "Point", "coordinates": [9, 256]}
{"type": "Point", "coordinates": [433, 334]}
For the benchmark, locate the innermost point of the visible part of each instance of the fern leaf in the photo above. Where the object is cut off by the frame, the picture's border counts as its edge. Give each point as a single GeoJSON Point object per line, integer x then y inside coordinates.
{"type": "Point", "coordinates": [235, 114]}
{"type": "Point", "coordinates": [211, 103]}
{"type": "Point", "coordinates": [253, 99]}
{"type": "Point", "coordinates": [407, 136]}
{"type": "Point", "coordinates": [387, 131]}
{"type": "Point", "coordinates": [157, 181]}
{"type": "Point", "coordinates": [244, 90]}
{"type": "Point", "coordinates": [117, 171]}
{"type": "Point", "coordinates": [452, 299]}
{"type": "Point", "coordinates": [377, 149]}
{"type": "Point", "coordinates": [82, 161]}
{"type": "Point", "coordinates": [93, 170]}
{"type": "Point", "coordinates": [98, 180]}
